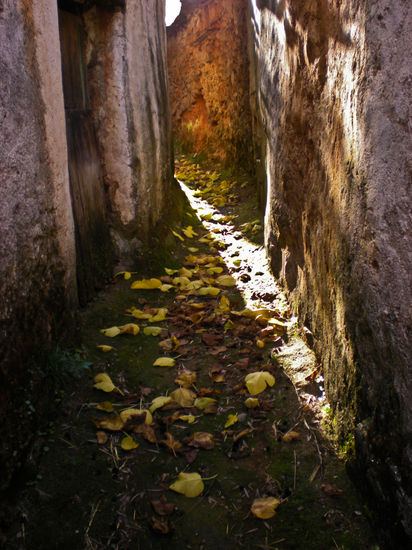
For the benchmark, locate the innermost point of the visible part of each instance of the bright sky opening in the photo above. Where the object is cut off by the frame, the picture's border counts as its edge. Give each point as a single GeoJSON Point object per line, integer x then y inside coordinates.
{"type": "Point", "coordinates": [172, 11]}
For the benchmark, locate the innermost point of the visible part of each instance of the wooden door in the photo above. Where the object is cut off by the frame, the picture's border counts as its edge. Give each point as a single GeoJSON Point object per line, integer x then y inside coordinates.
{"type": "Point", "coordinates": [86, 184]}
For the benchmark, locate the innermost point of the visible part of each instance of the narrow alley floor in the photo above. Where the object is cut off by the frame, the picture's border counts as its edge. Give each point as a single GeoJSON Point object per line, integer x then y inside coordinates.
{"type": "Point", "coordinates": [187, 431]}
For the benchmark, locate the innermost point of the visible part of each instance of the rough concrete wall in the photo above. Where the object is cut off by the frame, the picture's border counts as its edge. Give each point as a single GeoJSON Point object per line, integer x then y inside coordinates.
{"type": "Point", "coordinates": [209, 78]}
{"type": "Point", "coordinates": [128, 87]}
{"type": "Point", "coordinates": [37, 255]}
{"type": "Point", "coordinates": [333, 89]}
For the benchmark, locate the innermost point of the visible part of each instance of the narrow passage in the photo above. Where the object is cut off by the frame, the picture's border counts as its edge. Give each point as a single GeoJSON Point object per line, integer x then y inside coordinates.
{"type": "Point", "coordinates": [187, 432]}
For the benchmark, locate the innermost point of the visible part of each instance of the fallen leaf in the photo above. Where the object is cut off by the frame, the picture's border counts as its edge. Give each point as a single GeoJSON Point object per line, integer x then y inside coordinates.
{"type": "Point", "coordinates": [139, 314]}
{"type": "Point", "coordinates": [232, 419]}
{"type": "Point", "coordinates": [166, 287]}
{"type": "Point", "coordinates": [204, 291]}
{"type": "Point", "coordinates": [164, 362]}
{"type": "Point", "coordinates": [152, 331]}
{"type": "Point", "coordinates": [256, 382]}
{"type": "Point", "coordinates": [146, 431]}
{"type": "Point", "coordinates": [264, 508]}
{"type": "Point", "coordinates": [105, 349]}
{"type": "Point", "coordinates": [171, 443]}
{"type": "Point", "coordinates": [128, 443]}
{"type": "Point", "coordinates": [184, 397]}
{"type": "Point", "coordinates": [103, 382]}
{"type": "Point", "coordinates": [189, 418]}
{"type": "Point", "coordinates": [188, 484]}
{"type": "Point", "coordinates": [101, 437]}
{"type": "Point", "coordinates": [224, 305]}
{"type": "Point", "coordinates": [226, 280]}
{"type": "Point", "coordinates": [126, 275]}
{"type": "Point", "coordinates": [188, 231]}
{"type": "Point", "coordinates": [162, 507]}
{"type": "Point", "coordinates": [111, 423]}
{"type": "Point", "coordinates": [110, 332]}
{"type": "Point", "coordinates": [331, 490]}
{"type": "Point", "coordinates": [291, 436]}
{"type": "Point", "coordinates": [252, 402]}
{"type": "Point", "coordinates": [201, 440]}
{"type": "Point", "coordinates": [186, 378]}
{"type": "Point", "coordinates": [146, 284]}
{"type": "Point", "coordinates": [159, 402]}
{"type": "Point", "coordinates": [159, 526]}
{"type": "Point", "coordinates": [130, 328]}
{"type": "Point", "coordinates": [105, 406]}
{"type": "Point", "coordinates": [128, 414]}
{"type": "Point", "coordinates": [170, 271]}
{"type": "Point", "coordinates": [177, 235]}
{"type": "Point", "coordinates": [160, 315]}
{"type": "Point", "coordinates": [202, 402]}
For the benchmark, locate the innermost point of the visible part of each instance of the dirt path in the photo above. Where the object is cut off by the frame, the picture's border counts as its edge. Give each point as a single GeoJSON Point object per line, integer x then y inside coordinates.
{"type": "Point", "coordinates": [244, 444]}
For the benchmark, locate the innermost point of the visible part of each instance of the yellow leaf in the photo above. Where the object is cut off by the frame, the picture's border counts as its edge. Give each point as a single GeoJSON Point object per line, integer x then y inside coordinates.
{"type": "Point", "coordinates": [164, 362]}
{"type": "Point", "coordinates": [232, 419]}
{"type": "Point", "coordinates": [113, 424]}
{"type": "Point", "coordinates": [186, 378]}
{"type": "Point", "coordinates": [130, 328]}
{"type": "Point", "coordinates": [260, 343]}
{"type": "Point", "coordinates": [126, 274]}
{"type": "Point", "coordinates": [183, 272]}
{"type": "Point", "coordinates": [160, 315]}
{"type": "Point", "coordinates": [111, 332]}
{"type": "Point", "coordinates": [166, 288]}
{"type": "Point", "coordinates": [139, 314]}
{"type": "Point", "coordinates": [170, 271]}
{"type": "Point", "coordinates": [213, 270]}
{"type": "Point", "coordinates": [184, 397]}
{"type": "Point", "coordinates": [159, 402]}
{"type": "Point", "coordinates": [264, 508]}
{"type": "Point", "coordinates": [146, 284]}
{"type": "Point", "coordinates": [256, 382]}
{"type": "Point", "coordinates": [213, 291]}
{"type": "Point", "coordinates": [129, 413]}
{"type": "Point", "coordinates": [202, 402]}
{"type": "Point", "coordinates": [224, 305]}
{"type": "Point", "coordinates": [226, 280]}
{"type": "Point", "coordinates": [192, 249]}
{"type": "Point", "coordinates": [128, 443]}
{"type": "Point", "coordinates": [188, 231]}
{"type": "Point", "coordinates": [103, 382]}
{"type": "Point", "coordinates": [177, 235]}
{"type": "Point", "coordinates": [105, 349]}
{"type": "Point", "coordinates": [105, 406]}
{"type": "Point", "coordinates": [189, 418]}
{"type": "Point", "coordinates": [252, 402]}
{"type": "Point", "coordinates": [152, 331]}
{"type": "Point", "coordinates": [181, 281]}
{"type": "Point", "coordinates": [229, 325]}
{"type": "Point", "coordinates": [188, 484]}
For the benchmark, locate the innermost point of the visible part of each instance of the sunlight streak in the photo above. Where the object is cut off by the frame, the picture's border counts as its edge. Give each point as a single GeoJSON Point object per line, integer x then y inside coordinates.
{"type": "Point", "coordinates": [173, 8]}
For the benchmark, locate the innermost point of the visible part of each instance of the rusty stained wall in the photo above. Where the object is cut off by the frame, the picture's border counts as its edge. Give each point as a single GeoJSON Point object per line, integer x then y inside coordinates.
{"type": "Point", "coordinates": [333, 82]}
{"type": "Point", "coordinates": [209, 79]}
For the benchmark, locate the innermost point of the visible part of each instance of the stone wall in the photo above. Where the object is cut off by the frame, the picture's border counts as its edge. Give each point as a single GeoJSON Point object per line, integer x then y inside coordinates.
{"type": "Point", "coordinates": [126, 58]}
{"type": "Point", "coordinates": [333, 86]}
{"type": "Point", "coordinates": [37, 253]}
{"type": "Point", "coordinates": [209, 79]}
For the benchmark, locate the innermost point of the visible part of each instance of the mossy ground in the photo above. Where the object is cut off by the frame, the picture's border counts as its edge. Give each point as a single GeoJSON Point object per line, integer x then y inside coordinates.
{"type": "Point", "coordinates": [86, 495]}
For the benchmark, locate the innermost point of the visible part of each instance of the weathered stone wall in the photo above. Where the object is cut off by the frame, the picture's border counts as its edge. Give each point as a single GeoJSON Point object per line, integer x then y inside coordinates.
{"type": "Point", "coordinates": [126, 49]}
{"type": "Point", "coordinates": [37, 255]}
{"type": "Point", "coordinates": [209, 78]}
{"type": "Point", "coordinates": [333, 88]}
{"type": "Point", "coordinates": [127, 70]}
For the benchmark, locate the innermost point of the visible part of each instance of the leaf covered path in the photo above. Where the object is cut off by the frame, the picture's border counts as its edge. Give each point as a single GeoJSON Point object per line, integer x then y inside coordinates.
{"type": "Point", "coordinates": [188, 433]}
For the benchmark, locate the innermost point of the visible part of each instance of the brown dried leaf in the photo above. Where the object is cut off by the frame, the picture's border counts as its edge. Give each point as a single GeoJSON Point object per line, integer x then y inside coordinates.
{"type": "Point", "coordinates": [201, 440]}
{"type": "Point", "coordinates": [101, 437]}
{"type": "Point", "coordinates": [171, 443]}
{"type": "Point", "coordinates": [162, 507]}
{"type": "Point", "coordinates": [146, 431]}
{"type": "Point", "coordinates": [331, 490]}
{"type": "Point", "coordinates": [291, 436]}
{"type": "Point", "coordinates": [185, 378]}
